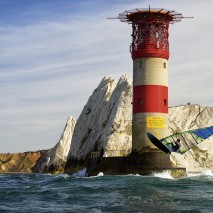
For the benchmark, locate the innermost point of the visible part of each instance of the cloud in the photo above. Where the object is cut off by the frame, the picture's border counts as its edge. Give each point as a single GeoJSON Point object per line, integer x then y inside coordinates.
{"type": "Point", "coordinates": [53, 55]}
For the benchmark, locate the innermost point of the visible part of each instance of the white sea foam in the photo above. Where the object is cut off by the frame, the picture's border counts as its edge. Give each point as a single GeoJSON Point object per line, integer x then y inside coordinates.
{"type": "Point", "coordinates": [164, 175]}
{"type": "Point", "coordinates": [133, 175]}
{"type": "Point", "coordinates": [207, 173]}
{"type": "Point", "coordinates": [63, 175]}
{"type": "Point", "coordinates": [193, 174]}
{"type": "Point", "coordinates": [100, 174]}
{"type": "Point", "coordinates": [203, 173]}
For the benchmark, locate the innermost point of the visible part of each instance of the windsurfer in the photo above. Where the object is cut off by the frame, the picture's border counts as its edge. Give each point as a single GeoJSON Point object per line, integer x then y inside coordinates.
{"type": "Point", "coordinates": [176, 145]}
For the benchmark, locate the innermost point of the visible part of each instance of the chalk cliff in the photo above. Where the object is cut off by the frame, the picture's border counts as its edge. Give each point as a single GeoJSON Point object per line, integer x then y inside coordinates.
{"type": "Point", "coordinates": [85, 134]}
{"type": "Point", "coordinates": [105, 122]}
{"type": "Point", "coordinates": [54, 159]}
{"type": "Point", "coordinates": [182, 118]}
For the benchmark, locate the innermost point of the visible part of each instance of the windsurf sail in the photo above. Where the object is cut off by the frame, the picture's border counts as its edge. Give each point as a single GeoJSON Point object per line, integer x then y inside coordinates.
{"type": "Point", "coordinates": [188, 139]}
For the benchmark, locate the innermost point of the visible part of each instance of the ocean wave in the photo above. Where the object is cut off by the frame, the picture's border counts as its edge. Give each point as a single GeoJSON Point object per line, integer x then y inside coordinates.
{"type": "Point", "coordinates": [107, 193]}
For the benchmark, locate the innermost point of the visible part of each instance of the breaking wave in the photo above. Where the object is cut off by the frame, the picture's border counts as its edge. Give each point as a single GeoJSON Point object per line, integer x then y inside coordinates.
{"type": "Point", "coordinates": [164, 175]}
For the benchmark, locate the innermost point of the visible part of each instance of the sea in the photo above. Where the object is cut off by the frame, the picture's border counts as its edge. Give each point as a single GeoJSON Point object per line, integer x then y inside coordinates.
{"type": "Point", "coordinates": [106, 193]}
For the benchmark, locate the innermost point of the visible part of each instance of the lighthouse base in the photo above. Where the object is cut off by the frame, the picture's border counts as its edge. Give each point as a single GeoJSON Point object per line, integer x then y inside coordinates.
{"type": "Point", "coordinates": [143, 163]}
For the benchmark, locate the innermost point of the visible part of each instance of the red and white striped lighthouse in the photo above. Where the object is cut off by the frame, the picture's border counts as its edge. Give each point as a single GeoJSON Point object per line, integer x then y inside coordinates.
{"type": "Point", "coordinates": [150, 54]}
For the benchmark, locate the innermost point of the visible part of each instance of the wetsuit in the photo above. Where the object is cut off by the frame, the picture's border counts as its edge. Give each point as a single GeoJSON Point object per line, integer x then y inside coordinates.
{"type": "Point", "coordinates": [176, 146]}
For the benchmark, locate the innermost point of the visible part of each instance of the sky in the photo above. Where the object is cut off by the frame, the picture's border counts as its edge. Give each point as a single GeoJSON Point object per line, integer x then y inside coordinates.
{"type": "Point", "coordinates": [54, 53]}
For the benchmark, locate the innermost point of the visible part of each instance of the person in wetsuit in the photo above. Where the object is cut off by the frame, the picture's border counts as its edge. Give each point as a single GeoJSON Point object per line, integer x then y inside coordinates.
{"type": "Point", "coordinates": [176, 145]}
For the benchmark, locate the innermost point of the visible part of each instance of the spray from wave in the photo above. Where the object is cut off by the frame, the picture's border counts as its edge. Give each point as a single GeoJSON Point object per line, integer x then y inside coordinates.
{"type": "Point", "coordinates": [203, 173]}
{"type": "Point", "coordinates": [207, 173]}
{"type": "Point", "coordinates": [80, 173]}
{"type": "Point", "coordinates": [164, 175]}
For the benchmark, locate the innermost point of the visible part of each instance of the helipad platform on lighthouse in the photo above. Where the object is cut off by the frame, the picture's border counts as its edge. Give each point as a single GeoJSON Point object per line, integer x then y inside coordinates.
{"type": "Point", "coordinates": [127, 15]}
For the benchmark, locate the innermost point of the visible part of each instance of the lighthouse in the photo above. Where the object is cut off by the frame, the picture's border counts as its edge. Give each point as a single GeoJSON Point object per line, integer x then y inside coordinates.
{"type": "Point", "coordinates": [150, 53]}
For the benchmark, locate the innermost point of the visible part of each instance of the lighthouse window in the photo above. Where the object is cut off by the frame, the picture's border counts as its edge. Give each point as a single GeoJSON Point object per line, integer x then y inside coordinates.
{"type": "Point", "coordinates": [140, 101]}
{"type": "Point", "coordinates": [164, 102]}
{"type": "Point", "coordinates": [164, 65]}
